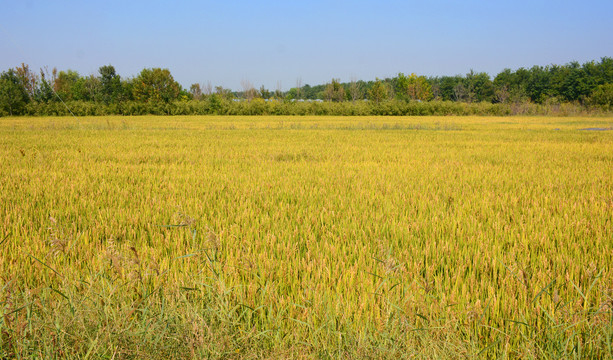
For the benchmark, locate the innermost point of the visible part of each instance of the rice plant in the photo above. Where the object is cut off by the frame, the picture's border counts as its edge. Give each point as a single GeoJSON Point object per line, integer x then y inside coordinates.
{"type": "Point", "coordinates": [306, 237]}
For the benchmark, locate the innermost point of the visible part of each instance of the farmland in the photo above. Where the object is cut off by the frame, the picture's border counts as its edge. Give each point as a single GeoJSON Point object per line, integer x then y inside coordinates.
{"type": "Point", "coordinates": [306, 237]}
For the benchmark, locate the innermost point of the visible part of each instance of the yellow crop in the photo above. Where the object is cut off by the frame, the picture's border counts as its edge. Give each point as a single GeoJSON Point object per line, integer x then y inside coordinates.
{"type": "Point", "coordinates": [316, 237]}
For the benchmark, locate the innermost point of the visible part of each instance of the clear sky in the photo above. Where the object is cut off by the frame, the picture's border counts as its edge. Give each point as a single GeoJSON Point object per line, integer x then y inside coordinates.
{"type": "Point", "coordinates": [267, 42]}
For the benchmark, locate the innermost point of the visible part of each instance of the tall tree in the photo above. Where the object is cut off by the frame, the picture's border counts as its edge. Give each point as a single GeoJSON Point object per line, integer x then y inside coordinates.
{"type": "Point", "coordinates": [460, 93]}
{"type": "Point", "coordinates": [603, 96]}
{"type": "Point", "coordinates": [538, 84]}
{"type": "Point", "coordinates": [435, 84]}
{"type": "Point", "coordinates": [448, 86]}
{"type": "Point", "coordinates": [196, 91]}
{"type": "Point", "coordinates": [65, 85]}
{"type": "Point", "coordinates": [249, 92]}
{"type": "Point", "coordinates": [278, 91]}
{"type": "Point", "coordinates": [479, 87]}
{"type": "Point", "coordinates": [413, 87]}
{"type": "Point", "coordinates": [334, 91]}
{"type": "Point", "coordinates": [510, 85]}
{"type": "Point", "coordinates": [155, 85]}
{"type": "Point", "coordinates": [223, 93]}
{"type": "Point", "coordinates": [264, 93]}
{"type": "Point", "coordinates": [378, 92]}
{"type": "Point", "coordinates": [111, 88]}
{"type": "Point", "coordinates": [28, 78]}
{"type": "Point", "coordinates": [13, 95]}
{"type": "Point", "coordinates": [355, 89]}
{"type": "Point", "coordinates": [299, 88]}
{"type": "Point", "coordinates": [45, 92]}
{"type": "Point", "coordinates": [208, 89]}
{"type": "Point", "coordinates": [92, 88]}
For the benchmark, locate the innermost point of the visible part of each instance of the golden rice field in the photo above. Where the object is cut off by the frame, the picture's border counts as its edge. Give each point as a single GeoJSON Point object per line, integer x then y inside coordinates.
{"type": "Point", "coordinates": [306, 237]}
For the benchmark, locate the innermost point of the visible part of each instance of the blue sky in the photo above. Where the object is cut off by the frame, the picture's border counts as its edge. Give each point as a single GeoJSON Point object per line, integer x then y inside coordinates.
{"type": "Point", "coordinates": [270, 42]}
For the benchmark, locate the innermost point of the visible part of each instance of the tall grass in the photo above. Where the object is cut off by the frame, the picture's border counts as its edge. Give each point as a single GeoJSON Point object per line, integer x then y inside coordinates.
{"type": "Point", "coordinates": [306, 237]}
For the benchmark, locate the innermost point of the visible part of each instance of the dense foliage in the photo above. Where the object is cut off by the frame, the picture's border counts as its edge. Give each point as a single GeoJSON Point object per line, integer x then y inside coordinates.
{"type": "Point", "coordinates": [538, 90]}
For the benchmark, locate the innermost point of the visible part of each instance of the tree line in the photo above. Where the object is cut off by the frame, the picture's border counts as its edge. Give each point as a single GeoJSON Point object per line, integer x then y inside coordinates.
{"type": "Point", "coordinates": [573, 86]}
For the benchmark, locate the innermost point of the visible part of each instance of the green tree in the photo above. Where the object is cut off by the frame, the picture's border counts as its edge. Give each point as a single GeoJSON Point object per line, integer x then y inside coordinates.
{"type": "Point", "coordinates": [223, 93]}
{"type": "Point", "coordinates": [334, 91]}
{"type": "Point", "coordinates": [478, 87]}
{"type": "Point", "coordinates": [44, 92]}
{"type": "Point", "coordinates": [435, 85]}
{"type": "Point", "coordinates": [538, 85]}
{"type": "Point", "coordinates": [401, 85]}
{"type": "Point", "coordinates": [447, 85]}
{"type": "Point", "coordinates": [292, 94]}
{"type": "Point", "coordinates": [64, 85]}
{"type": "Point", "coordinates": [511, 85]}
{"type": "Point", "coordinates": [308, 92]}
{"type": "Point", "coordinates": [604, 72]}
{"type": "Point", "coordinates": [111, 89]}
{"type": "Point", "coordinates": [602, 96]}
{"type": "Point", "coordinates": [355, 89]}
{"type": "Point", "coordinates": [378, 92]}
{"type": "Point", "coordinates": [28, 78]}
{"type": "Point", "coordinates": [196, 91]}
{"type": "Point", "coordinates": [13, 95]}
{"type": "Point", "coordinates": [413, 87]}
{"type": "Point", "coordinates": [264, 93]}
{"type": "Point", "coordinates": [577, 84]}
{"type": "Point", "coordinates": [155, 85]}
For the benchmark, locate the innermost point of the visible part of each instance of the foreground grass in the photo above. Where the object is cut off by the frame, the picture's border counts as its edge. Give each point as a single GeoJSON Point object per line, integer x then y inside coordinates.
{"type": "Point", "coordinates": [306, 237]}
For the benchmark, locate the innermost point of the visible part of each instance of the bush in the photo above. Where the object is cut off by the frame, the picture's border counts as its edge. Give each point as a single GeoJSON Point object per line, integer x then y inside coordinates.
{"type": "Point", "coordinates": [600, 102]}
{"type": "Point", "coordinates": [602, 97]}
